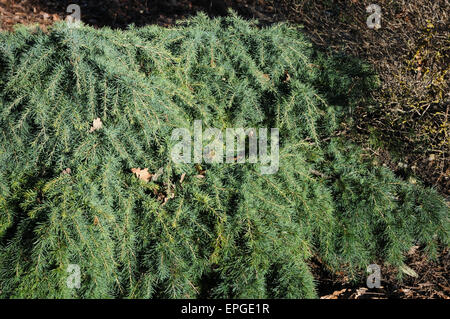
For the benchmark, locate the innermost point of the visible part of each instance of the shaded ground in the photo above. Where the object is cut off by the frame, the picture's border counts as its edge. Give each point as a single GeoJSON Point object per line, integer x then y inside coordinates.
{"type": "Point", "coordinates": [432, 281]}
{"type": "Point", "coordinates": [119, 14]}
{"type": "Point", "coordinates": [408, 131]}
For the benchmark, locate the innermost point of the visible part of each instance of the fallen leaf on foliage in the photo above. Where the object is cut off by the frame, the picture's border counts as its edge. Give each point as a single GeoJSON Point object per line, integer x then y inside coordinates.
{"type": "Point", "coordinates": [182, 177]}
{"type": "Point", "coordinates": [67, 171]}
{"type": "Point", "coordinates": [95, 220]}
{"type": "Point", "coordinates": [142, 174]}
{"type": "Point", "coordinates": [287, 77]}
{"type": "Point", "coordinates": [413, 250]}
{"type": "Point", "coordinates": [96, 125]}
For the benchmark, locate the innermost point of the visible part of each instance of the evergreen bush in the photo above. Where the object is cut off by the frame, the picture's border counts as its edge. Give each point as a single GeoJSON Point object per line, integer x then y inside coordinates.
{"type": "Point", "coordinates": [68, 194]}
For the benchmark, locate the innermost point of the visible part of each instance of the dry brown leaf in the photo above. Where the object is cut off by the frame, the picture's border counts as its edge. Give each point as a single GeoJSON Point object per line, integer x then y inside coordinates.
{"type": "Point", "coordinates": [182, 177]}
{"type": "Point", "coordinates": [96, 220]}
{"type": "Point", "coordinates": [96, 125]}
{"type": "Point", "coordinates": [142, 174]}
{"type": "Point", "coordinates": [335, 294]}
{"type": "Point", "coordinates": [413, 250]}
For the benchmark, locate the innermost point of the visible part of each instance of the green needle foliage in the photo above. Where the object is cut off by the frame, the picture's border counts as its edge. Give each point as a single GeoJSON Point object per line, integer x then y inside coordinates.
{"type": "Point", "coordinates": [234, 233]}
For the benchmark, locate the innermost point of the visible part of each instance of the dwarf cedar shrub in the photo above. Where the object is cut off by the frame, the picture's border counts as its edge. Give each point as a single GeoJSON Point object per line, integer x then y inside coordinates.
{"type": "Point", "coordinates": [68, 194]}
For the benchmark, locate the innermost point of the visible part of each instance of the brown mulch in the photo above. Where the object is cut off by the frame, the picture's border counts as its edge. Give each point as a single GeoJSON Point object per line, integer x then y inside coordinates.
{"type": "Point", "coordinates": [121, 13]}
{"type": "Point", "coordinates": [410, 53]}
{"type": "Point", "coordinates": [432, 280]}
{"type": "Point", "coordinates": [22, 12]}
